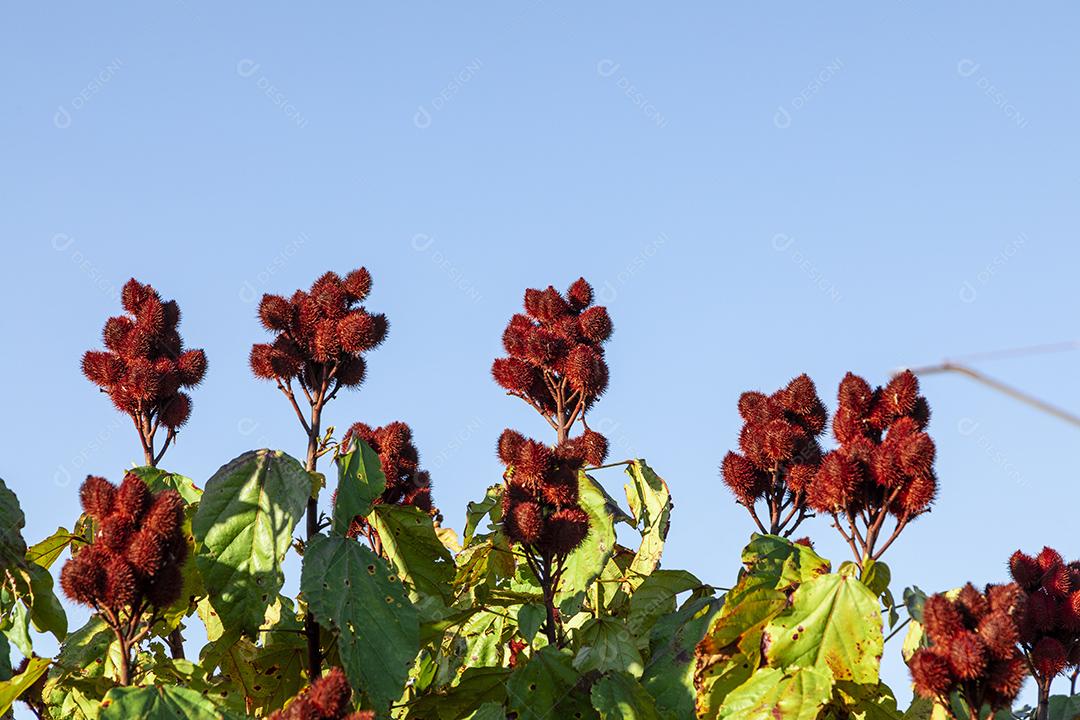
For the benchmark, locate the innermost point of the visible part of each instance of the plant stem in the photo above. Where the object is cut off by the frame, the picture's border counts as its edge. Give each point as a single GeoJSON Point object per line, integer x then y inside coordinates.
{"type": "Point", "coordinates": [1043, 712]}
{"type": "Point", "coordinates": [311, 626]}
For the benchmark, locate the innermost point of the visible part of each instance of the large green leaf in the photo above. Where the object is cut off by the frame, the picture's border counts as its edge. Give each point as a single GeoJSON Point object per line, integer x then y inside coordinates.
{"type": "Point", "coordinates": [650, 501]}
{"type": "Point", "coordinates": [157, 480]}
{"type": "Point", "coordinates": [777, 563]}
{"type": "Point", "coordinates": [353, 592]}
{"type": "Point", "coordinates": [618, 696]}
{"type": "Point", "coordinates": [478, 687]}
{"type": "Point", "coordinates": [654, 598]}
{"type": "Point", "coordinates": [360, 482]}
{"type": "Point", "coordinates": [244, 527]}
{"type": "Point", "coordinates": [585, 564]}
{"type": "Point", "coordinates": [605, 644]}
{"type": "Point", "coordinates": [12, 520]}
{"type": "Point", "coordinates": [10, 690]}
{"type": "Point", "coordinates": [772, 693]}
{"type": "Point", "coordinates": [834, 623]}
{"type": "Point", "coordinates": [46, 612]}
{"type": "Point", "coordinates": [541, 688]}
{"type": "Point", "coordinates": [409, 540]}
{"type": "Point", "coordinates": [160, 703]}
{"type": "Point", "coordinates": [669, 674]}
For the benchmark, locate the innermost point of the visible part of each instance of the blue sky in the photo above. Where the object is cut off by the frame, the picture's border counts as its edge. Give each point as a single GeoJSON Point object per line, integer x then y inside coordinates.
{"type": "Point", "coordinates": [755, 192]}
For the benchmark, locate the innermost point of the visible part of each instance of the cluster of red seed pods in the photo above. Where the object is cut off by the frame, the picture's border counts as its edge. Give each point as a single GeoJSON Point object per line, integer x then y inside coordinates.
{"type": "Point", "coordinates": [321, 334]}
{"type": "Point", "coordinates": [780, 453]}
{"type": "Point", "coordinates": [406, 483]}
{"type": "Point", "coordinates": [972, 648]}
{"type": "Point", "coordinates": [138, 550]}
{"type": "Point", "coordinates": [540, 501]}
{"type": "Point", "coordinates": [328, 698]}
{"type": "Point", "coordinates": [555, 354]}
{"type": "Point", "coordinates": [145, 366]}
{"type": "Point", "coordinates": [1050, 617]}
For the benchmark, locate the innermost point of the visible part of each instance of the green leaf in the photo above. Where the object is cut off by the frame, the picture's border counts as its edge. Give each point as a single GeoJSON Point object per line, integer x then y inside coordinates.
{"type": "Point", "coordinates": [360, 482]}
{"type": "Point", "coordinates": [17, 629]}
{"type": "Point", "coordinates": [353, 592]}
{"type": "Point", "coordinates": [409, 540]}
{"type": "Point", "coordinates": [876, 576]}
{"type": "Point", "coordinates": [654, 598]}
{"type": "Point", "coordinates": [777, 563]}
{"type": "Point", "coordinates": [12, 520]}
{"type": "Point", "coordinates": [244, 527]}
{"type": "Point", "coordinates": [10, 690]}
{"type": "Point", "coordinates": [772, 693]}
{"type": "Point", "coordinates": [530, 617]}
{"type": "Point", "coordinates": [833, 623]}
{"type": "Point", "coordinates": [46, 612]}
{"type": "Point", "coordinates": [605, 644]}
{"type": "Point", "coordinates": [157, 480]}
{"type": "Point", "coordinates": [618, 696]}
{"type": "Point", "coordinates": [1064, 707]}
{"type": "Point", "coordinates": [46, 552]}
{"type": "Point", "coordinates": [669, 674]}
{"type": "Point", "coordinates": [477, 688]}
{"type": "Point", "coordinates": [488, 711]}
{"type": "Point", "coordinates": [160, 703]}
{"type": "Point", "coordinates": [650, 501]}
{"type": "Point", "coordinates": [475, 511]}
{"type": "Point", "coordinates": [585, 564]}
{"type": "Point", "coordinates": [540, 689]}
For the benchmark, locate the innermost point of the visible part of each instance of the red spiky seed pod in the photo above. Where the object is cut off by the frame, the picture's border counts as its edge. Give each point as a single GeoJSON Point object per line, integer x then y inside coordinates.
{"type": "Point", "coordinates": [533, 461]}
{"type": "Point", "coordinates": [586, 371]}
{"type": "Point", "coordinates": [560, 487]}
{"type": "Point", "coordinates": [83, 576]}
{"type": "Point", "coordinates": [942, 619]}
{"type": "Point", "coordinates": [524, 523]}
{"type": "Point", "coordinates": [1041, 611]}
{"type": "Point", "coordinates": [513, 375]}
{"type": "Point", "coordinates": [146, 553]}
{"type": "Point", "coordinates": [357, 284]}
{"type": "Point", "coordinates": [596, 447]}
{"type": "Point", "coordinates": [133, 497]}
{"type": "Point", "coordinates": [510, 443]}
{"type": "Point", "coordinates": [834, 485]}
{"type": "Point", "coordinates": [351, 371]}
{"type": "Point", "coordinates": [176, 411]}
{"type": "Point", "coordinates": [275, 313]}
{"type": "Point", "coordinates": [120, 587]}
{"type": "Point", "coordinates": [595, 324]}
{"type": "Point", "coordinates": [565, 530]}
{"type": "Point", "coordinates": [967, 655]}
{"type": "Point", "coordinates": [855, 394]}
{"type": "Point", "coordinates": [779, 439]}
{"type": "Point", "coordinates": [115, 532]}
{"type": "Point", "coordinates": [98, 497]}
{"type": "Point", "coordinates": [1005, 678]}
{"type": "Point", "coordinates": [999, 634]}
{"type": "Point", "coordinates": [1048, 657]}
{"type": "Point", "coordinates": [1048, 558]}
{"type": "Point", "coordinates": [166, 586]}
{"type": "Point", "coordinates": [1058, 581]}
{"type": "Point", "coordinates": [580, 294]}
{"type": "Point", "coordinates": [261, 361]}
{"type": "Point", "coordinates": [972, 603]}
{"type": "Point", "coordinates": [917, 497]}
{"type": "Point", "coordinates": [752, 405]}
{"type": "Point", "coordinates": [901, 393]}
{"type": "Point", "coordinates": [931, 673]}
{"type": "Point", "coordinates": [165, 514]}
{"type": "Point", "coordinates": [800, 396]}
{"type": "Point", "coordinates": [192, 367]}
{"type": "Point", "coordinates": [742, 478]}
{"type": "Point", "coordinates": [115, 332]}
{"type": "Point", "coordinates": [1025, 570]}
{"type": "Point", "coordinates": [1004, 598]}
{"type": "Point", "coordinates": [133, 294]}
{"type": "Point", "coordinates": [330, 694]}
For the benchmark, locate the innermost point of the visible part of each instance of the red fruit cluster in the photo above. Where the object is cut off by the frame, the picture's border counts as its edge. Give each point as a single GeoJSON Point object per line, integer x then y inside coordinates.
{"type": "Point", "coordinates": [136, 557]}
{"type": "Point", "coordinates": [1050, 611]}
{"type": "Point", "coordinates": [321, 334]}
{"type": "Point", "coordinates": [328, 698]}
{"type": "Point", "coordinates": [973, 647]}
{"type": "Point", "coordinates": [885, 460]}
{"type": "Point", "coordinates": [556, 356]}
{"type": "Point", "coordinates": [780, 450]}
{"type": "Point", "coordinates": [144, 365]}
{"type": "Point", "coordinates": [406, 483]}
{"type": "Point", "coordinates": [540, 506]}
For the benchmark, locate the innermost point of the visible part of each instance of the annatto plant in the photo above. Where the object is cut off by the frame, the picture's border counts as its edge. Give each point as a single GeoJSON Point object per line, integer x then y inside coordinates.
{"type": "Point", "coordinates": [535, 610]}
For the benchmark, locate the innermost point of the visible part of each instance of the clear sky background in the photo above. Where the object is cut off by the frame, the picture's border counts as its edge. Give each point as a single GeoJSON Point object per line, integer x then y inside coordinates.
{"type": "Point", "coordinates": [755, 192]}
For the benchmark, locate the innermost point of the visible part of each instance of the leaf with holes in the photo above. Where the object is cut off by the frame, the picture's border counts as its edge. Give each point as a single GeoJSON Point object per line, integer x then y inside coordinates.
{"type": "Point", "coordinates": [244, 527]}
{"type": "Point", "coordinates": [353, 592]}
{"type": "Point", "coordinates": [834, 624]}
{"type": "Point", "coordinates": [409, 540]}
{"type": "Point", "coordinates": [160, 703]}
